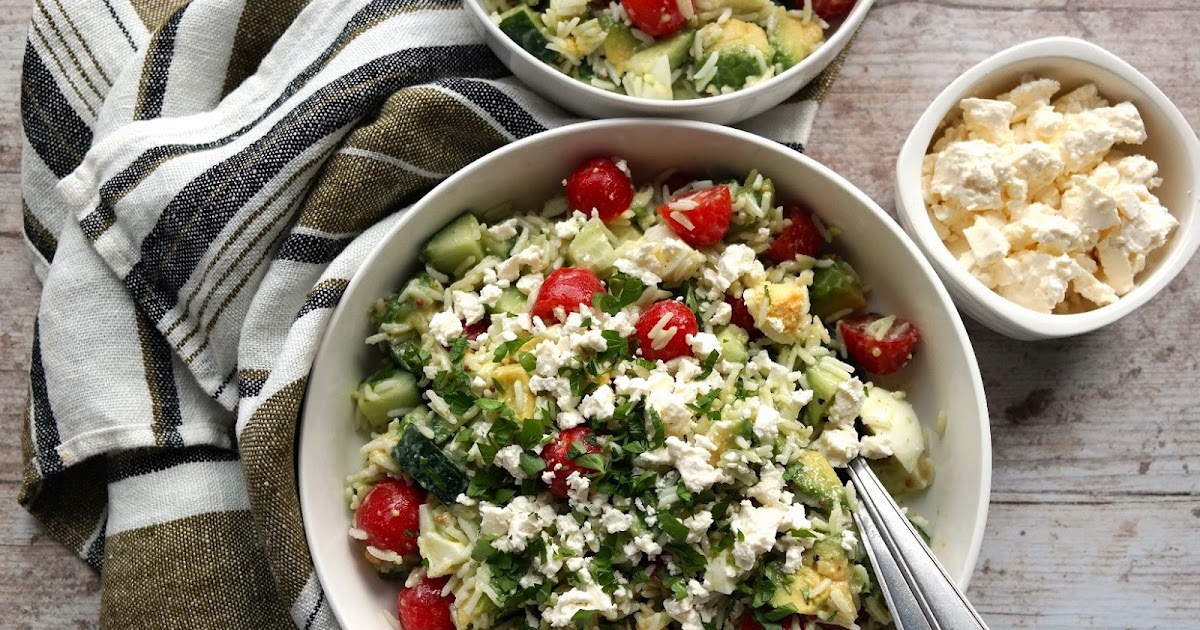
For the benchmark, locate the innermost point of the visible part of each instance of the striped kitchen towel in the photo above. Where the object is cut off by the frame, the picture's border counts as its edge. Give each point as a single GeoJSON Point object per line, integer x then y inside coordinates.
{"type": "Point", "coordinates": [200, 180]}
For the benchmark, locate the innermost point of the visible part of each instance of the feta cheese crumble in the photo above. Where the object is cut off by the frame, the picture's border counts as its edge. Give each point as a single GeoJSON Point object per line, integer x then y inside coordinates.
{"type": "Point", "coordinates": [1038, 198]}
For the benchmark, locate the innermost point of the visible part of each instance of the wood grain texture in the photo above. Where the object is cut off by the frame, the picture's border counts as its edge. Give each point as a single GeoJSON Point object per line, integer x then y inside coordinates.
{"type": "Point", "coordinates": [1096, 481]}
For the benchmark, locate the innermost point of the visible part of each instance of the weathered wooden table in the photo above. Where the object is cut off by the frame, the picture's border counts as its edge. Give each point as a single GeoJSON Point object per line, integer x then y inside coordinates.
{"type": "Point", "coordinates": [1095, 514]}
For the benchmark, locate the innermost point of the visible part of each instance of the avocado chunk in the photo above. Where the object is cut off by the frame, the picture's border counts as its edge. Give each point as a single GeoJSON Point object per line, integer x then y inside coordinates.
{"type": "Point", "coordinates": [825, 561]}
{"type": "Point", "coordinates": [836, 291]}
{"type": "Point", "coordinates": [619, 43]}
{"type": "Point", "coordinates": [525, 27]}
{"type": "Point", "coordinates": [511, 301]}
{"type": "Point", "coordinates": [456, 247]}
{"type": "Point", "coordinates": [592, 248]}
{"type": "Point", "coordinates": [793, 39]}
{"type": "Point", "coordinates": [733, 342]}
{"type": "Point", "coordinates": [384, 391]}
{"type": "Point", "coordinates": [742, 50]}
{"type": "Point", "coordinates": [815, 481]}
{"type": "Point", "coordinates": [674, 49]}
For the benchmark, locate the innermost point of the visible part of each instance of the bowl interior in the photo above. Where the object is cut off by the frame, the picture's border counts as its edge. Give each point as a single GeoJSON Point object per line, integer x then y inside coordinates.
{"type": "Point", "coordinates": [943, 378]}
{"type": "Point", "coordinates": [1073, 63]}
{"type": "Point", "coordinates": [730, 108]}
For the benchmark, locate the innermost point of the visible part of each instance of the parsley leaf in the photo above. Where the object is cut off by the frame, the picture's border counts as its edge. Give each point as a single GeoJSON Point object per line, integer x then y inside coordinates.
{"type": "Point", "coordinates": [623, 290]}
{"type": "Point", "coordinates": [709, 363]}
{"type": "Point", "coordinates": [410, 356]}
{"type": "Point", "coordinates": [509, 347]}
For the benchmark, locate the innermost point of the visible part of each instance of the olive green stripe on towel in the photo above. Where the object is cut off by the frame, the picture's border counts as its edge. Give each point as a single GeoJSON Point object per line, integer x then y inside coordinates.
{"type": "Point", "coordinates": [420, 135]}
{"type": "Point", "coordinates": [269, 461]}
{"type": "Point", "coordinates": [261, 23]}
{"type": "Point", "coordinates": [155, 13]}
{"type": "Point", "coordinates": [170, 576]}
{"type": "Point", "coordinates": [70, 504]}
{"type": "Point", "coordinates": [818, 88]}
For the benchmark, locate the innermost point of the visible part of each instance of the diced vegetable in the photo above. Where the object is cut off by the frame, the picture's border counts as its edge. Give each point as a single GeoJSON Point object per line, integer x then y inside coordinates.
{"type": "Point", "coordinates": [511, 301]}
{"type": "Point", "coordinates": [816, 482]}
{"type": "Point", "coordinates": [733, 344]}
{"type": "Point", "coordinates": [525, 27]}
{"type": "Point", "coordinates": [387, 390]}
{"type": "Point", "coordinates": [456, 247]}
{"type": "Point", "coordinates": [836, 291]}
{"type": "Point", "coordinates": [421, 458]}
{"type": "Point", "coordinates": [592, 248]}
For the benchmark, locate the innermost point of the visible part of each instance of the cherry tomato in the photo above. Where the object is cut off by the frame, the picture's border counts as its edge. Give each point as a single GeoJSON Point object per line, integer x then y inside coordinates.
{"type": "Point", "coordinates": [472, 331]}
{"type": "Point", "coordinates": [829, 9]}
{"type": "Point", "coordinates": [801, 236]}
{"type": "Point", "coordinates": [568, 287]}
{"type": "Point", "coordinates": [677, 180]}
{"type": "Point", "coordinates": [878, 356]}
{"type": "Point", "coordinates": [599, 186]}
{"type": "Point", "coordinates": [741, 316]}
{"type": "Point", "coordinates": [388, 514]}
{"type": "Point", "coordinates": [679, 317]}
{"type": "Point", "coordinates": [657, 18]}
{"type": "Point", "coordinates": [707, 222]}
{"type": "Point", "coordinates": [423, 607]}
{"type": "Point", "coordinates": [748, 623]}
{"type": "Point", "coordinates": [557, 455]}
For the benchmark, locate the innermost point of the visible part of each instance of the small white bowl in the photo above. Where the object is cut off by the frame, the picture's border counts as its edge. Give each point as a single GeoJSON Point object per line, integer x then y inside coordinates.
{"type": "Point", "coordinates": [726, 109]}
{"type": "Point", "coordinates": [943, 377]}
{"type": "Point", "coordinates": [1171, 143]}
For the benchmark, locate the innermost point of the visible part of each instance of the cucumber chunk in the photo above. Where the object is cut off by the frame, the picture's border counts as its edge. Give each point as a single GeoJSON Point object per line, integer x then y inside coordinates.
{"type": "Point", "coordinates": [384, 391]}
{"type": "Point", "coordinates": [456, 247]}
{"type": "Point", "coordinates": [525, 27]}
{"type": "Point", "coordinates": [733, 344]}
{"type": "Point", "coordinates": [823, 378]}
{"type": "Point", "coordinates": [419, 294]}
{"type": "Point", "coordinates": [421, 458]}
{"type": "Point", "coordinates": [592, 248]}
{"type": "Point", "coordinates": [495, 247]}
{"type": "Point", "coordinates": [836, 291]}
{"type": "Point", "coordinates": [511, 301]}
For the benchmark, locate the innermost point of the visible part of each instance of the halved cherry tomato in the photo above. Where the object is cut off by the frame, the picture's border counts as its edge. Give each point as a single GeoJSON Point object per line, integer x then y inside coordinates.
{"type": "Point", "coordinates": [801, 236]}
{"type": "Point", "coordinates": [423, 607]}
{"type": "Point", "coordinates": [741, 316]}
{"type": "Point", "coordinates": [748, 623]}
{"type": "Point", "coordinates": [472, 331]}
{"type": "Point", "coordinates": [568, 287]}
{"type": "Point", "coordinates": [705, 220]}
{"type": "Point", "coordinates": [883, 355]}
{"type": "Point", "coordinates": [557, 455]}
{"type": "Point", "coordinates": [677, 180]}
{"type": "Point", "coordinates": [677, 316]}
{"type": "Point", "coordinates": [389, 515]}
{"type": "Point", "coordinates": [657, 18]}
{"type": "Point", "coordinates": [599, 186]}
{"type": "Point", "coordinates": [830, 9]}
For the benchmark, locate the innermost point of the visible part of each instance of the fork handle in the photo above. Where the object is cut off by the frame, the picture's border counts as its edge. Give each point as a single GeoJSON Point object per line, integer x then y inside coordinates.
{"type": "Point", "coordinates": [918, 590]}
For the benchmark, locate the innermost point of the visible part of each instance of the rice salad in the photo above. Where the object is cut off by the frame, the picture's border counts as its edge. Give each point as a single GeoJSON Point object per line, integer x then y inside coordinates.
{"type": "Point", "coordinates": [630, 416]}
{"type": "Point", "coordinates": [663, 49]}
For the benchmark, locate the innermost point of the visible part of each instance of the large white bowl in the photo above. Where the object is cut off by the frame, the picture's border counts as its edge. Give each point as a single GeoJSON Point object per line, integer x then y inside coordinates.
{"type": "Point", "coordinates": [945, 377]}
{"type": "Point", "coordinates": [726, 109]}
{"type": "Point", "coordinates": [1170, 142]}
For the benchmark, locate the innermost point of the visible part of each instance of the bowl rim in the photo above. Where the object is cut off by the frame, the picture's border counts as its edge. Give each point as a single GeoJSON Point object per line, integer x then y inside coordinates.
{"type": "Point", "coordinates": [675, 108]}
{"type": "Point", "coordinates": [911, 203]}
{"type": "Point", "coordinates": [328, 344]}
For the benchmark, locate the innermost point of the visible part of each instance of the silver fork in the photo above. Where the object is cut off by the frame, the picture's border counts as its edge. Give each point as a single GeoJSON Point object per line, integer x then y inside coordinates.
{"type": "Point", "coordinates": [919, 593]}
